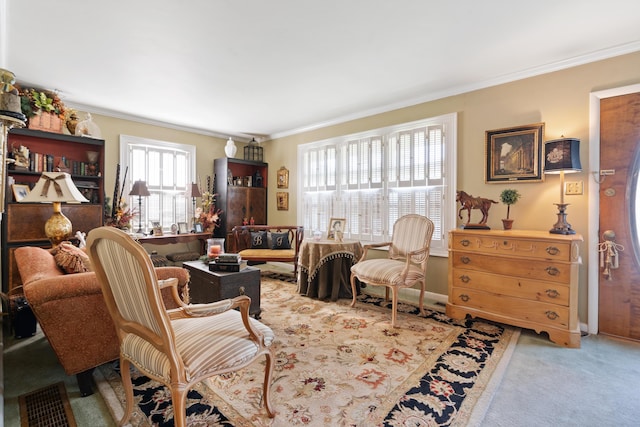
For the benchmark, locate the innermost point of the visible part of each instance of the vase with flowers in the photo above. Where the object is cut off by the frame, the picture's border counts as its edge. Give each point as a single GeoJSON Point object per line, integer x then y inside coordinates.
{"type": "Point", "coordinates": [207, 214]}
{"type": "Point", "coordinates": [44, 109]}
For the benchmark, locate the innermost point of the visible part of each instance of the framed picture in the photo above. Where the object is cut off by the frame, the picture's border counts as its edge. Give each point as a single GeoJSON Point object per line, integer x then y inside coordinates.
{"type": "Point", "coordinates": [183, 228]}
{"type": "Point", "coordinates": [283, 177]}
{"type": "Point", "coordinates": [514, 154]}
{"type": "Point", "coordinates": [283, 201]}
{"type": "Point", "coordinates": [335, 224]}
{"type": "Point", "coordinates": [198, 228]}
{"type": "Point", "coordinates": [156, 228]}
{"type": "Point", "coordinates": [20, 191]}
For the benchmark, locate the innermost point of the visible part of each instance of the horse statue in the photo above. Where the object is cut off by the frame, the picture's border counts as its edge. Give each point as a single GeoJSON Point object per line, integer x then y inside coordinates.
{"type": "Point", "coordinates": [469, 202]}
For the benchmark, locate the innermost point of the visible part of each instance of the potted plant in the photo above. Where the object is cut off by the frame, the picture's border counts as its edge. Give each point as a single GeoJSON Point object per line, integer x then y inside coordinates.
{"type": "Point", "coordinates": [44, 110]}
{"type": "Point", "coordinates": [509, 197]}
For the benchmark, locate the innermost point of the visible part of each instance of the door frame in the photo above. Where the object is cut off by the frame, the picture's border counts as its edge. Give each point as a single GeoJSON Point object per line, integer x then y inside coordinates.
{"type": "Point", "coordinates": [593, 272]}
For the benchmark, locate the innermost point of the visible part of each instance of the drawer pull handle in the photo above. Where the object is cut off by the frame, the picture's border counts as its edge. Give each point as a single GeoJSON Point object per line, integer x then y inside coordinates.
{"type": "Point", "coordinates": [465, 279]}
{"type": "Point", "coordinates": [552, 293]}
{"type": "Point", "coordinates": [241, 290]}
{"type": "Point", "coordinates": [552, 315]}
{"type": "Point", "coordinates": [552, 250]}
{"type": "Point", "coordinates": [465, 297]}
{"type": "Point", "coordinates": [552, 271]}
{"type": "Point", "coordinates": [465, 242]}
{"type": "Point", "coordinates": [465, 260]}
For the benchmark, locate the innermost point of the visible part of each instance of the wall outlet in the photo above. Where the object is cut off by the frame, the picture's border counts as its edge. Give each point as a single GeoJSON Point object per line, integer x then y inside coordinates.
{"type": "Point", "coordinates": [573, 188]}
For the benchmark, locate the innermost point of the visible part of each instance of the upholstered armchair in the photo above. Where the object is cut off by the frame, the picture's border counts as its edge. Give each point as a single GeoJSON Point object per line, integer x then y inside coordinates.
{"type": "Point", "coordinates": [406, 265]}
{"type": "Point", "coordinates": [72, 313]}
{"type": "Point", "coordinates": [178, 347]}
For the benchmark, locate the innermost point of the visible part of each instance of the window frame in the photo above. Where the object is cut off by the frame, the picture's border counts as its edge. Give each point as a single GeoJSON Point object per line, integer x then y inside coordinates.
{"type": "Point", "coordinates": [180, 212]}
{"type": "Point", "coordinates": [330, 200]}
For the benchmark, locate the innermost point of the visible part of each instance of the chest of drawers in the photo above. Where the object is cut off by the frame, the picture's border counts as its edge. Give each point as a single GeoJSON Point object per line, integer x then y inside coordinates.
{"type": "Point", "coordinates": [522, 278]}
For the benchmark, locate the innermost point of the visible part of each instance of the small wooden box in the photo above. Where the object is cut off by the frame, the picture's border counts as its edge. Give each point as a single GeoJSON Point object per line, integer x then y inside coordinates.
{"type": "Point", "coordinates": [210, 286]}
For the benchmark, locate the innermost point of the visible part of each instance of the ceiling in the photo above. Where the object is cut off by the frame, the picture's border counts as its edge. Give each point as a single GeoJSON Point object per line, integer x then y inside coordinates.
{"type": "Point", "coordinates": [272, 68]}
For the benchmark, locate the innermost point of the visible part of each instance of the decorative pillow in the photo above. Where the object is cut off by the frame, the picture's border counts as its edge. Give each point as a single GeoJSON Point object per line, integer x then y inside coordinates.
{"type": "Point", "coordinates": [70, 258]}
{"type": "Point", "coordinates": [259, 240]}
{"type": "Point", "coordinates": [280, 241]}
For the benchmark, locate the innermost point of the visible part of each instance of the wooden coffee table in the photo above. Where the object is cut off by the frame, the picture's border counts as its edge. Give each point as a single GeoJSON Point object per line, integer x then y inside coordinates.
{"type": "Point", "coordinates": [210, 286]}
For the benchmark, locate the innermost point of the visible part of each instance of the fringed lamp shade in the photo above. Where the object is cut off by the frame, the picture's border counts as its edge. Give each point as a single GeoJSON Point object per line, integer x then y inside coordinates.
{"type": "Point", "coordinates": [55, 188]}
{"type": "Point", "coordinates": [562, 156]}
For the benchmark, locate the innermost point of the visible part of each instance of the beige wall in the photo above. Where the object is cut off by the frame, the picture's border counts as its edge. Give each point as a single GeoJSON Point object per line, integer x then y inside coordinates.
{"type": "Point", "coordinates": [559, 99]}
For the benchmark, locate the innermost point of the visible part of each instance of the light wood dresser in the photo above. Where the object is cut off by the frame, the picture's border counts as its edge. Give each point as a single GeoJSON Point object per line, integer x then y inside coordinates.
{"type": "Point", "coordinates": [518, 277]}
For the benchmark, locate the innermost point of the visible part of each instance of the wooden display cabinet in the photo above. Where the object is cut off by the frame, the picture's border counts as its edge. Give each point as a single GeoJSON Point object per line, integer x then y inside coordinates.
{"type": "Point", "coordinates": [241, 186]}
{"type": "Point", "coordinates": [23, 223]}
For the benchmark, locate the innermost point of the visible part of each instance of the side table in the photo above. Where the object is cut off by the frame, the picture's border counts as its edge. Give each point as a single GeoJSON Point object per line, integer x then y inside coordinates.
{"type": "Point", "coordinates": [325, 268]}
{"type": "Point", "coordinates": [210, 286]}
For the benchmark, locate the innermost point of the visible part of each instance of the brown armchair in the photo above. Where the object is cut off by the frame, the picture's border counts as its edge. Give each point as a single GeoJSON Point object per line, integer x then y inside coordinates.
{"type": "Point", "coordinates": [72, 313]}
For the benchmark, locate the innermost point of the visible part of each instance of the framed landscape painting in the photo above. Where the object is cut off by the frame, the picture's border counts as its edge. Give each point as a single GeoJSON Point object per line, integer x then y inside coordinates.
{"type": "Point", "coordinates": [514, 154]}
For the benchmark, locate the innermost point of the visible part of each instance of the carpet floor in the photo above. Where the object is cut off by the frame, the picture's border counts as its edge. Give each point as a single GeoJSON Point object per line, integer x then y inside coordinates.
{"type": "Point", "coordinates": [343, 366]}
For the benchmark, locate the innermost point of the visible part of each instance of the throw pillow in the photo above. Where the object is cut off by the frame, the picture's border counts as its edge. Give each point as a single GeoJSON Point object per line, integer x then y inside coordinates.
{"type": "Point", "coordinates": [70, 258]}
{"type": "Point", "coordinates": [259, 240]}
{"type": "Point", "coordinates": [280, 241]}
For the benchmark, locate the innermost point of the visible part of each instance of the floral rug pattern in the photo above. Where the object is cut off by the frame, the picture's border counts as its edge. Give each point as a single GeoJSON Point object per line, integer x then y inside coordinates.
{"type": "Point", "coordinates": [343, 366]}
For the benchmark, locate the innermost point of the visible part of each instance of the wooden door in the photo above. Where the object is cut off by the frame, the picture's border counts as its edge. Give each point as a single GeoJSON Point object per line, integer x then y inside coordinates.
{"type": "Point", "coordinates": [619, 291]}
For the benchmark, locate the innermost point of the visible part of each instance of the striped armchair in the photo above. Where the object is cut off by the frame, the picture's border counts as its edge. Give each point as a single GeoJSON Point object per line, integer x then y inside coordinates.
{"type": "Point", "coordinates": [178, 347]}
{"type": "Point", "coordinates": [406, 265]}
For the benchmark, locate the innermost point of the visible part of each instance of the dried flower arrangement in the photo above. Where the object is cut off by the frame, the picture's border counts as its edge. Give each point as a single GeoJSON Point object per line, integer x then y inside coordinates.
{"type": "Point", "coordinates": [207, 213]}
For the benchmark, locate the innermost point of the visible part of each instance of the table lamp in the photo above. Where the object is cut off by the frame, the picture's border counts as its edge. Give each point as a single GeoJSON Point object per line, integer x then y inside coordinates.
{"type": "Point", "coordinates": [562, 156]}
{"type": "Point", "coordinates": [55, 188]}
{"type": "Point", "coordinates": [139, 189]}
{"type": "Point", "coordinates": [195, 192]}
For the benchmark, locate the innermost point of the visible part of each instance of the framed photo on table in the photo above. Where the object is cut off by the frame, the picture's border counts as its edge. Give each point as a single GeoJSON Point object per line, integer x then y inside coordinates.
{"type": "Point", "coordinates": [183, 228]}
{"type": "Point", "coordinates": [198, 228]}
{"type": "Point", "coordinates": [156, 228]}
{"type": "Point", "coordinates": [514, 154]}
{"type": "Point", "coordinates": [20, 191]}
{"type": "Point", "coordinates": [336, 225]}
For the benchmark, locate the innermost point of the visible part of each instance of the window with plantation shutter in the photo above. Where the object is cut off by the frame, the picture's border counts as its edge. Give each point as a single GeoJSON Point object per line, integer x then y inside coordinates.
{"type": "Point", "coordinates": [375, 177]}
{"type": "Point", "coordinates": [168, 169]}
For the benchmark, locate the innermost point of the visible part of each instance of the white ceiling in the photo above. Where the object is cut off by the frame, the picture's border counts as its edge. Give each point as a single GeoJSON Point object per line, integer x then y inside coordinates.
{"type": "Point", "coordinates": [271, 68]}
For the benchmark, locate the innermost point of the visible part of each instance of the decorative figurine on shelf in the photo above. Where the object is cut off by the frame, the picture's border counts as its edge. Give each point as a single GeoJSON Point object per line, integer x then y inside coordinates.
{"type": "Point", "coordinates": [469, 202]}
{"type": "Point", "coordinates": [244, 221]}
{"type": "Point", "coordinates": [252, 221]}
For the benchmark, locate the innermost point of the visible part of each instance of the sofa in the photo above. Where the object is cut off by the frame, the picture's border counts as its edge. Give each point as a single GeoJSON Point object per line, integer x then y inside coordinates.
{"type": "Point", "coordinates": [72, 313]}
{"type": "Point", "coordinates": [263, 243]}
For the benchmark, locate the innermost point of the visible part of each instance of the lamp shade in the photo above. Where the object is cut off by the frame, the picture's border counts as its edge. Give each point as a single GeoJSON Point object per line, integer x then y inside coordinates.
{"type": "Point", "coordinates": [54, 187]}
{"type": "Point", "coordinates": [195, 191]}
{"type": "Point", "coordinates": [562, 155]}
{"type": "Point", "coordinates": [139, 189]}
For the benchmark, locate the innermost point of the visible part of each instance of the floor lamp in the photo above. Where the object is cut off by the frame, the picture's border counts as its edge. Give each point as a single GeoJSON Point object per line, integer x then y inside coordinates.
{"type": "Point", "coordinates": [562, 156]}
{"type": "Point", "coordinates": [195, 192]}
{"type": "Point", "coordinates": [139, 189]}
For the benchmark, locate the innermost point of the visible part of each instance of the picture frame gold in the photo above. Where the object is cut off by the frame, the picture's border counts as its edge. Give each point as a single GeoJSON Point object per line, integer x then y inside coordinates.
{"type": "Point", "coordinates": [20, 191]}
{"type": "Point", "coordinates": [514, 154]}
{"type": "Point", "coordinates": [283, 177]}
{"type": "Point", "coordinates": [335, 225]}
{"type": "Point", "coordinates": [282, 199]}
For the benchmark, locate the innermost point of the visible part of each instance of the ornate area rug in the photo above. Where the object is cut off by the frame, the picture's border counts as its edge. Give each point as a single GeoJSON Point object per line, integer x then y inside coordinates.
{"type": "Point", "coordinates": [343, 366]}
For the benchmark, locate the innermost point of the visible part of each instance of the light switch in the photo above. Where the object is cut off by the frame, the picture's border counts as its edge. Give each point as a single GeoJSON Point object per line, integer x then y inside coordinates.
{"type": "Point", "coordinates": [573, 188]}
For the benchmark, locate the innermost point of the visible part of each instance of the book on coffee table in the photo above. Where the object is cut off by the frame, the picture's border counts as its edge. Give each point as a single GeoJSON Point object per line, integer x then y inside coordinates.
{"type": "Point", "coordinates": [228, 267]}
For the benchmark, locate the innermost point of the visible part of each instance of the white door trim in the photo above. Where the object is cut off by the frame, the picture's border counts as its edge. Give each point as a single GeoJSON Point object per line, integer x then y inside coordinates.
{"type": "Point", "coordinates": [593, 272]}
